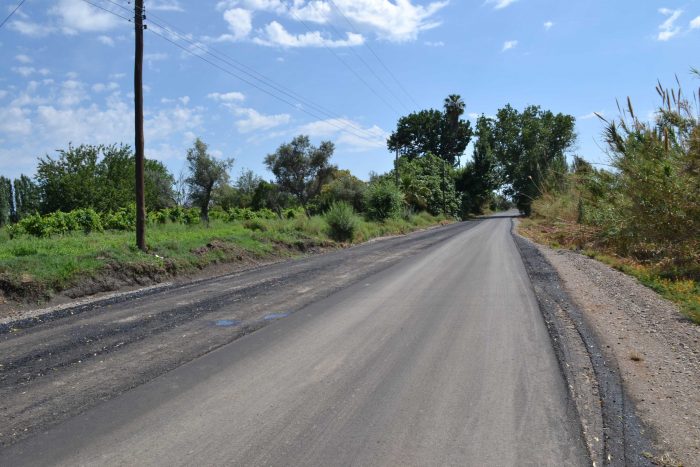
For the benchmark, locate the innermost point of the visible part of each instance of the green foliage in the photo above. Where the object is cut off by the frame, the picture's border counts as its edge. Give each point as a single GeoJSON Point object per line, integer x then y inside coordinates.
{"type": "Point", "coordinates": [98, 177]}
{"type": "Point", "coordinates": [206, 174]}
{"type": "Point", "coordinates": [122, 219]}
{"type": "Point", "coordinates": [430, 131]}
{"type": "Point", "coordinates": [649, 208]}
{"type": "Point", "coordinates": [59, 223]}
{"type": "Point", "coordinates": [301, 169]}
{"type": "Point", "coordinates": [7, 207]}
{"type": "Point", "coordinates": [27, 197]}
{"type": "Point", "coordinates": [530, 148]}
{"type": "Point", "coordinates": [479, 178]}
{"type": "Point", "coordinates": [342, 221]}
{"type": "Point", "coordinates": [428, 184]}
{"type": "Point", "coordinates": [343, 187]}
{"type": "Point", "coordinates": [383, 200]}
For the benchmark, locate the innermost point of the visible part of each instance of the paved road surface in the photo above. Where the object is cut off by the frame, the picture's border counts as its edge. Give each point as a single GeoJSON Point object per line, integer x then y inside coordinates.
{"type": "Point", "coordinates": [441, 359]}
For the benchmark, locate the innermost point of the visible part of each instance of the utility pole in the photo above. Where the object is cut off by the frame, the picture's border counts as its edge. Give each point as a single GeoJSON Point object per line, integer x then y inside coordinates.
{"type": "Point", "coordinates": [396, 167]}
{"type": "Point", "coordinates": [138, 127]}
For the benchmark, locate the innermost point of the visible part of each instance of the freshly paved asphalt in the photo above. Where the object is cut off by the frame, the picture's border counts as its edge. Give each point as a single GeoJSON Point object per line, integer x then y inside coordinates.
{"type": "Point", "coordinates": [440, 359]}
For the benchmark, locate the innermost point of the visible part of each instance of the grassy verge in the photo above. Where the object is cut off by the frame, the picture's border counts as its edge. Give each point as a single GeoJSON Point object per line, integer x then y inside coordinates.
{"type": "Point", "coordinates": [34, 269]}
{"type": "Point", "coordinates": [563, 233]}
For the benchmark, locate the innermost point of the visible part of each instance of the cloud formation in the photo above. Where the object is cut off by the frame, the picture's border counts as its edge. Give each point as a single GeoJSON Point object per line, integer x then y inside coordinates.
{"type": "Point", "coordinates": [508, 45]}
{"type": "Point", "coordinates": [668, 29]}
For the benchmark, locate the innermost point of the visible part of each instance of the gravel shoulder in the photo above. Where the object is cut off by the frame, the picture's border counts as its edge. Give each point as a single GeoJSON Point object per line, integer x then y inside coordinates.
{"type": "Point", "coordinates": [655, 349]}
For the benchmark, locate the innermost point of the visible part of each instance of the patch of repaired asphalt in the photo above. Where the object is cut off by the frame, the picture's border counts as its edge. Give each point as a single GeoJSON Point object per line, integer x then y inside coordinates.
{"type": "Point", "coordinates": [622, 439]}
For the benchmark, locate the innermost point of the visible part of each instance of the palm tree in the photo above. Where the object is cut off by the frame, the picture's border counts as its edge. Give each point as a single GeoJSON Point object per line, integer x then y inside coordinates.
{"type": "Point", "coordinates": [454, 108]}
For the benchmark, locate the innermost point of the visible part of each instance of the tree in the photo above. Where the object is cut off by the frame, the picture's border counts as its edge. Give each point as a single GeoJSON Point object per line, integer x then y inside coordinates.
{"type": "Point", "coordinates": [246, 183]}
{"type": "Point", "coordinates": [7, 206]}
{"type": "Point", "coordinates": [479, 177]}
{"type": "Point", "coordinates": [70, 181]}
{"type": "Point", "coordinates": [206, 173]}
{"type": "Point", "coordinates": [300, 168]}
{"type": "Point", "coordinates": [343, 187]}
{"type": "Point", "coordinates": [27, 197]}
{"type": "Point", "coordinates": [427, 184]}
{"type": "Point", "coordinates": [443, 134]}
{"type": "Point", "coordinates": [531, 150]}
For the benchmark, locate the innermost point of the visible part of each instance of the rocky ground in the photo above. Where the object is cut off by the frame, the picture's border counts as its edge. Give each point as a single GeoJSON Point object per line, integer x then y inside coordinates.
{"type": "Point", "coordinates": [656, 348]}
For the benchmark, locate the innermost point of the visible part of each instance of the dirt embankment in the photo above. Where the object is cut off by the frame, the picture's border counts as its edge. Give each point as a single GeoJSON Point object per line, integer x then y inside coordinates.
{"type": "Point", "coordinates": [656, 350]}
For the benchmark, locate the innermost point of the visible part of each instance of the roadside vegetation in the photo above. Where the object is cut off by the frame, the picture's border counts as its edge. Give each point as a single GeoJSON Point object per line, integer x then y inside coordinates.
{"type": "Point", "coordinates": [643, 215]}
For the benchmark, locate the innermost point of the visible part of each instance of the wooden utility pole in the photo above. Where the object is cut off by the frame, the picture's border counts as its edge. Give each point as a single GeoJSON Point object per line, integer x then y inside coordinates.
{"type": "Point", "coordinates": [396, 167]}
{"type": "Point", "coordinates": [138, 127]}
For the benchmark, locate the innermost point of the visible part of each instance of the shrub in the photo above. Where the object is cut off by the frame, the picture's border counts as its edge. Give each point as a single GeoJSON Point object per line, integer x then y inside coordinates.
{"type": "Point", "coordinates": [121, 219]}
{"type": "Point", "coordinates": [255, 224]}
{"type": "Point", "coordinates": [87, 220]}
{"type": "Point", "coordinates": [383, 200]}
{"type": "Point", "coordinates": [342, 221]}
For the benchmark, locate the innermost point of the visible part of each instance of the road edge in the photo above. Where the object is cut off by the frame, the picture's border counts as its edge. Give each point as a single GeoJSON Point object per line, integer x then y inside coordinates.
{"type": "Point", "coordinates": [613, 433]}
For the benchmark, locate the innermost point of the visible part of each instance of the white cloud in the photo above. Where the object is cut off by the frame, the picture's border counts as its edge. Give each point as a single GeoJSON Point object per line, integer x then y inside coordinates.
{"type": "Point", "coordinates": [276, 35]}
{"type": "Point", "coordinates": [346, 132]}
{"type": "Point", "coordinates": [77, 16]}
{"type": "Point", "coordinates": [252, 120]}
{"type": "Point", "coordinates": [56, 113]}
{"type": "Point", "coordinates": [30, 29]}
{"type": "Point", "coordinates": [668, 29]}
{"type": "Point", "coordinates": [24, 70]}
{"type": "Point", "coordinates": [434, 44]}
{"type": "Point", "coordinates": [548, 25]}
{"type": "Point", "coordinates": [240, 23]}
{"type": "Point", "coordinates": [13, 120]}
{"type": "Point", "coordinates": [508, 45]}
{"type": "Point", "coordinates": [695, 23]}
{"type": "Point", "coordinates": [166, 5]}
{"type": "Point", "coordinates": [102, 87]}
{"type": "Point", "coordinates": [22, 58]}
{"type": "Point", "coordinates": [396, 21]}
{"type": "Point", "coordinates": [227, 96]}
{"type": "Point", "coordinates": [500, 4]}
{"type": "Point", "coordinates": [106, 40]}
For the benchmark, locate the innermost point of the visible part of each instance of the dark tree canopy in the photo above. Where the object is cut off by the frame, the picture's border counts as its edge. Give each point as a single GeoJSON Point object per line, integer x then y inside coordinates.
{"type": "Point", "coordinates": [479, 178]}
{"type": "Point", "coordinates": [531, 150]}
{"type": "Point", "coordinates": [206, 174]}
{"type": "Point", "coordinates": [300, 168]}
{"type": "Point", "coordinates": [99, 177]}
{"type": "Point", "coordinates": [443, 134]}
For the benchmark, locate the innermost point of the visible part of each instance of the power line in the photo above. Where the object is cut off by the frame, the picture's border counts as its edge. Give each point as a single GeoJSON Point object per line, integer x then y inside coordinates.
{"type": "Point", "coordinates": [359, 77]}
{"type": "Point", "coordinates": [329, 122]}
{"type": "Point", "coordinates": [12, 13]}
{"type": "Point", "coordinates": [376, 56]}
{"type": "Point", "coordinates": [371, 70]}
{"type": "Point", "coordinates": [108, 10]}
{"type": "Point", "coordinates": [252, 73]}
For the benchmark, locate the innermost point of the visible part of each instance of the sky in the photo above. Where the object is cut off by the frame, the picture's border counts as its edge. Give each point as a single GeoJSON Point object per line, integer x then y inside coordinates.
{"type": "Point", "coordinates": [248, 75]}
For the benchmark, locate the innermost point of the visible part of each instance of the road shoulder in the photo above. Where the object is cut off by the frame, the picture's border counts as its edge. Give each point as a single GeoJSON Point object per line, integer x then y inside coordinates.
{"type": "Point", "coordinates": [614, 434]}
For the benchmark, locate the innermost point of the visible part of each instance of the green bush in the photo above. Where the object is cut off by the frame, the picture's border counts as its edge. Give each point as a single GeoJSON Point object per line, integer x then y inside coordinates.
{"type": "Point", "coordinates": [255, 224]}
{"type": "Point", "coordinates": [88, 220]}
{"type": "Point", "coordinates": [383, 200]}
{"type": "Point", "coordinates": [121, 219]}
{"type": "Point", "coordinates": [342, 221]}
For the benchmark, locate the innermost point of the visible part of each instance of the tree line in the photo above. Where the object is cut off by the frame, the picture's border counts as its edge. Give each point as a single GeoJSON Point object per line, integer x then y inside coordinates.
{"type": "Point", "coordinates": [514, 154]}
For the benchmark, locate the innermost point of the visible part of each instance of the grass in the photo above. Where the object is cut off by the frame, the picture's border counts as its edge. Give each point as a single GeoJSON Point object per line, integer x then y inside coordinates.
{"type": "Point", "coordinates": [559, 231]}
{"type": "Point", "coordinates": [34, 269]}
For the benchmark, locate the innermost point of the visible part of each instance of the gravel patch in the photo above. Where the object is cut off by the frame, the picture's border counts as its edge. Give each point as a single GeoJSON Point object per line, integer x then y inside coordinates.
{"type": "Point", "coordinates": [656, 349]}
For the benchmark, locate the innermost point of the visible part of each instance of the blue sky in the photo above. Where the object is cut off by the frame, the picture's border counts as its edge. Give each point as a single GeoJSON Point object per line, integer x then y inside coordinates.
{"type": "Point", "coordinates": [67, 74]}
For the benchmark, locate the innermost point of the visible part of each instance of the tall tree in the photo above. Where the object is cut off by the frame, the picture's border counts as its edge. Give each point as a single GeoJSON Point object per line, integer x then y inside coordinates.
{"type": "Point", "coordinates": [443, 134]}
{"type": "Point", "coordinates": [479, 177]}
{"type": "Point", "coordinates": [27, 197]}
{"type": "Point", "coordinates": [206, 173]}
{"type": "Point", "coordinates": [300, 168]}
{"type": "Point", "coordinates": [531, 149]}
{"type": "Point", "coordinates": [69, 181]}
{"type": "Point", "coordinates": [7, 205]}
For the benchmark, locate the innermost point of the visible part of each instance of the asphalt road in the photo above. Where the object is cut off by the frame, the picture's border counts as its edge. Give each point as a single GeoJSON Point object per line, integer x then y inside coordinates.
{"type": "Point", "coordinates": [441, 358]}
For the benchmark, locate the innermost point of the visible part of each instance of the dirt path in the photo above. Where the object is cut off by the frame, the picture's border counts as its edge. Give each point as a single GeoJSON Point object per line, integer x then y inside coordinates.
{"type": "Point", "coordinates": [656, 348]}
